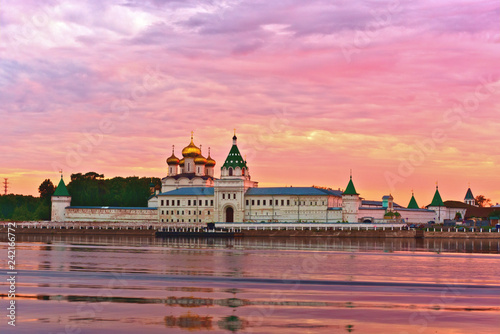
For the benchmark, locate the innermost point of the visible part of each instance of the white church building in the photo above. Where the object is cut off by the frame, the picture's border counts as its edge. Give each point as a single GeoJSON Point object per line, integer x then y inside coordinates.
{"type": "Point", "coordinates": [190, 194]}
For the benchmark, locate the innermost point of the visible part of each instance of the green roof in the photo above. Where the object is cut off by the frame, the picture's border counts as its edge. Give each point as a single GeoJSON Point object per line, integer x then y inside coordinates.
{"type": "Point", "coordinates": [234, 159]}
{"type": "Point", "coordinates": [350, 190]}
{"type": "Point", "coordinates": [469, 194]}
{"type": "Point", "coordinates": [61, 189]}
{"type": "Point", "coordinates": [413, 203]}
{"type": "Point", "coordinates": [437, 201]}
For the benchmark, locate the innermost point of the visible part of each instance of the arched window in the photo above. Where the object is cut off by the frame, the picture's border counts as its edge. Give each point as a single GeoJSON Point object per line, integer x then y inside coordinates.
{"type": "Point", "coordinates": [230, 171]}
{"type": "Point", "coordinates": [243, 171]}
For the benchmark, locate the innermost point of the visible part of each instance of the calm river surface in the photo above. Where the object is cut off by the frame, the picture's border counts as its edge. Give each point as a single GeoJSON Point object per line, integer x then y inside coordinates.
{"type": "Point", "coordinates": [82, 284]}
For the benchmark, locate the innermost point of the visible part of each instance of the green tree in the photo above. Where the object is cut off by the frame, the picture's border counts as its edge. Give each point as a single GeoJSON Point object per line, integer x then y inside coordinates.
{"type": "Point", "coordinates": [46, 189]}
{"type": "Point", "coordinates": [43, 211]}
{"type": "Point", "coordinates": [91, 189]}
{"type": "Point", "coordinates": [482, 201]}
{"type": "Point", "coordinates": [23, 213]}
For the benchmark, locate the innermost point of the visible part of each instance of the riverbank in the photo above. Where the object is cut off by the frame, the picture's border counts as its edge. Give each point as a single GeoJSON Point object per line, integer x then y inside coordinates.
{"type": "Point", "coordinates": [198, 232]}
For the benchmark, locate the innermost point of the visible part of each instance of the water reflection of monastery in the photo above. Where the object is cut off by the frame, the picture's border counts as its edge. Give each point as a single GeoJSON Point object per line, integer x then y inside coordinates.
{"type": "Point", "coordinates": [191, 194]}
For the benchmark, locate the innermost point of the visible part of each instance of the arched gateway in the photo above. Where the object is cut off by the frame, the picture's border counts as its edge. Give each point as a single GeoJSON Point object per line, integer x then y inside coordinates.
{"type": "Point", "coordinates": [229, 215]}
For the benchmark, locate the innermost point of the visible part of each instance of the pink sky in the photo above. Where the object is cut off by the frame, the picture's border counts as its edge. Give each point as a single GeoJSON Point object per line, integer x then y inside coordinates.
{"type": "Point", "coordinates": [313, 88]}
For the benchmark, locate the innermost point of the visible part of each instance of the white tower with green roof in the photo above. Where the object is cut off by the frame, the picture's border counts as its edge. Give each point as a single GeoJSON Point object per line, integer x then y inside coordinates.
{"type": "Point", "coordinates": [469, 198]}
{"type": "Point", "coordinates": [438, 206]}
{"type": "Point", "coordinates": [229, 190]}
{"type": "Point", "coordinates": [350, 203]}
{"type": "Point", "coordinates": [61, 199]}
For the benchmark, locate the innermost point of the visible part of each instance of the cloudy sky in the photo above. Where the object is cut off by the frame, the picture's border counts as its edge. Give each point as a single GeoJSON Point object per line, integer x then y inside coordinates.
{"type": "Point", "coordinates": [404, 93]}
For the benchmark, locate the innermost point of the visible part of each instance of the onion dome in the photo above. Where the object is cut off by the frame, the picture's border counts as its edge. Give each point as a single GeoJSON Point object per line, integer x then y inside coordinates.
{"type": "Point", "coordinates": [181, 163]}
{"type": "Point", "coordinates": [191, 151]}
{"type": "Point", "coordinates": [200, 159]}
{"type": "Point", "coordinates": [210, 161]}
{"type": "Point", "coordinates": [173, 160]}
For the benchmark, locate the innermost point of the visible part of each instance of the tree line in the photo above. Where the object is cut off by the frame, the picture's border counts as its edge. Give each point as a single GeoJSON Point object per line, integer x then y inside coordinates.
{"type": "Point", "coordinates": [90, 189]}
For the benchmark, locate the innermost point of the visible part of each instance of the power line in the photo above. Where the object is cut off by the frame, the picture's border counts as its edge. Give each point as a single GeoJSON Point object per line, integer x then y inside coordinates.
{"type": "Point", "coordinates": [5, 185]}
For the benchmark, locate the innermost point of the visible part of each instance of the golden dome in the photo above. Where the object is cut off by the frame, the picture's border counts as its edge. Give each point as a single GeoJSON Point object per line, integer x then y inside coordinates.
{"type": "Point", "coordinates": [200, 160]}
{"type": "Point", "coordinates": [191, 151]}
{"type": "Point", "coordinates": [181, 163]}
{"type": "Point", "coordinates": [210, 162]}
{"type": "Point", "coordinates": [173, 160]}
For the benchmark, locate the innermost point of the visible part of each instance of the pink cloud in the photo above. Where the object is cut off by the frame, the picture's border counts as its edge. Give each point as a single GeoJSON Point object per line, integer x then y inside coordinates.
{"type": "Point", "coordinates": [140, 76]}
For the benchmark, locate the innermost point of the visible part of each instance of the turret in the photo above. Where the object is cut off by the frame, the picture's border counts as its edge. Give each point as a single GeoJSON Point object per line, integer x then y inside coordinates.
{"type": "Point", "coordinates": [437, 205]}
{"type": "Point", "coordinates": [61, 199]}
{"type": "Point", "coordinates": [469, 198]}
{"type": "Point", "coordinates": [350, 203]}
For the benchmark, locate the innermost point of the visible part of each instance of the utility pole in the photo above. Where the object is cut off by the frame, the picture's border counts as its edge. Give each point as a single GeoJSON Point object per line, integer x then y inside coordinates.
{"type": "Point", "coordinates": [5, 185]}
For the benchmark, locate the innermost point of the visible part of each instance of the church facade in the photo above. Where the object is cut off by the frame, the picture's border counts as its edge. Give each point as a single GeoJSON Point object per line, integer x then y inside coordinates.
{"type": "Point", "coordinates": [190, 194]}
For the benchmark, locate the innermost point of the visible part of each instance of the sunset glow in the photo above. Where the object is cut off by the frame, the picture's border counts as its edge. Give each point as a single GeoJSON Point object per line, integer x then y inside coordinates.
{"type": "Point", "coordinates": [406, 94]}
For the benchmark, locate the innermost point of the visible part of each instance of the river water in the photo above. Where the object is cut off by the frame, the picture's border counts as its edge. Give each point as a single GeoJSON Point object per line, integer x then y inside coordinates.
{"type": "Point", "coordinates": [85, 284]}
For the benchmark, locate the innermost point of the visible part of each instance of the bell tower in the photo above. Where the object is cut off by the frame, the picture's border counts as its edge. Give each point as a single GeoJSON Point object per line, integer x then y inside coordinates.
{"type": "Point", "coordinates": [229, 190]}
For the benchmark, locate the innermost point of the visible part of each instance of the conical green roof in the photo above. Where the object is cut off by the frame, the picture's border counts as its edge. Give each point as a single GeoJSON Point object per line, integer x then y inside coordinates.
{"type": "Point", "coordinates": [413, 203]}
{"type": "Point", "coordinates": [61, 189]}
{"type": "Point", "coordinates": [437, 201]}
{"type": "Point", "coordinates": [234, 159]}
{"type": "Point", "coordinates": [469, 194]}
{"type": "Point", "coordinates": [350, 190]}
